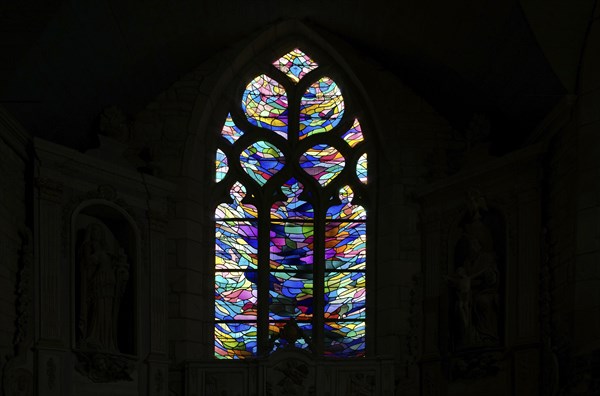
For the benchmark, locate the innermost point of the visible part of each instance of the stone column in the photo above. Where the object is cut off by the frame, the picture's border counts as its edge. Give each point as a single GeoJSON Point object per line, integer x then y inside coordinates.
{"type": "Point", "coordinates": [52, 314]}
{"type": "Point", "coordinates": [157, 360]}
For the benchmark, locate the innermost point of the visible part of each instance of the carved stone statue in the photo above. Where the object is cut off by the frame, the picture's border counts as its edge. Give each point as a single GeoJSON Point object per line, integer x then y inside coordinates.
{"type": "Point", "coordinates": [476, 279]}
{"type": "Point", "coordinates": [104, 277]}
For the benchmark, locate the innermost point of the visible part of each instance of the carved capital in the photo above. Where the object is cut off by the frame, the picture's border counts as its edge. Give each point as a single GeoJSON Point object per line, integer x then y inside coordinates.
{"type": "Point", "coordinates": [105, 367]}
{"type": "Point", "coordinates": [49, 189]}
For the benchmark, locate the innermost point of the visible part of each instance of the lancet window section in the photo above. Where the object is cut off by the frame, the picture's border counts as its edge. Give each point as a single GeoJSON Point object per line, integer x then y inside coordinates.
{"type": "Point", "coordinates": [290, 235]}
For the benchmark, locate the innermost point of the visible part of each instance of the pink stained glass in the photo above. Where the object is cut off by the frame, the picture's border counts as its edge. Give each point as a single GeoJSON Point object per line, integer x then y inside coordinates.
{"type": "Point", "coordinates": [265, 104]}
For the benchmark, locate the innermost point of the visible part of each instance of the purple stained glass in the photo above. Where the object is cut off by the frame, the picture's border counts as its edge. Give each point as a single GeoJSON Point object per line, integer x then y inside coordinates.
{"type": "Point", "coordinates": [321, 108]}
{"type": "Point", "coordinates": [345, 245]}
{"type": "Point", "coordinates": [291, 246]}
{"type": "Point", "coordinates": [344, 339]}
{"type": "Point", "coordinates": [323, 163]}
{"type": "Point", "coordinates": [354, 135]}
{"type": "Point", "coordinates": [235, 340]}
{"type": "Point", "coordinates": [290, 295]}
{"type": "Point", "coordinates": [345, 295]}
{"type": "Point", "coordinates": [262, 160]}
{"type": "Point", "coordinates": [235, 295]}
{"type": "Point", "coordinates": [295, 64]}
{"type": "Point", "coordinates": [293, 207]}
{"type": "Point", "coordinates": [265, 104]}
{"type": "Point", "coordinates": [236, 245]}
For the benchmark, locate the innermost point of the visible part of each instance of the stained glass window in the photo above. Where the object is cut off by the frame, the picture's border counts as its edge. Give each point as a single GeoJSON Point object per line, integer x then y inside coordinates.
{"type": "Point", "coordinates": [291, 228]}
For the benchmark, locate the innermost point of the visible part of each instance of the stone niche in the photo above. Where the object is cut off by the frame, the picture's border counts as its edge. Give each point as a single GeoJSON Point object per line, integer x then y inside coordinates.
{"type": "Point", "coordinates": [481, 270]}
{"type": "Point", "coordinates": [100, 271]}
{"type": "Point", "coordinates": [106, 244]}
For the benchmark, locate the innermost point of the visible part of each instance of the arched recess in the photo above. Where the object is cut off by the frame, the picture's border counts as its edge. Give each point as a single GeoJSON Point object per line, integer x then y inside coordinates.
{"type": "Point", "coordinates": [199, 160]}
{"type": "Point", "coordinates": [106, 257]}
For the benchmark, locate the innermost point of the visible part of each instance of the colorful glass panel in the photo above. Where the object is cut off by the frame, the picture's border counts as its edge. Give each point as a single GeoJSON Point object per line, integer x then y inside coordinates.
{"type": "Point", "coordinates": [235, 295]}
{"type": "Point", "coordinates": [279, 342]}
{"type": "Point", "coordinates": [237, 209]}
{"type": "Point", "coordinates": [261, 160]}
{"type": "Point", "coordinates": [293, 207]}
{"type": "Point", "coordinates": [321, 108]}
{"type": "Point", "coordinates": [236, 245]}
{"type": "Point", "coordinates": [265, 104]}
{"type": "Point", "coordinates": [344, 339]}
{"type": "Point", "coordinates": [345, 295]}
{"type": "Point", "coordinates": [291, 246]}
{"type": "Point", "coordinates": [291, 295]}
{"type": "Point", "coordinates": [361, 168]}
{"type": "Point", "coordinates": [345, 210]}
{"type": "Point", "coordinates": [322, 162]}
{"type": "Point", "coordinates": [354, 135]}
{"type": "Point", "coordinates": [235, 340]}
{"type": "Point", "coordinates": [230, 131]}
{"type": "Point", "coordinates": [345, 246]}
{"type": "Point", "coordinates": [295, 64]}
{"type": "Point", "coordinates": [222, 166]}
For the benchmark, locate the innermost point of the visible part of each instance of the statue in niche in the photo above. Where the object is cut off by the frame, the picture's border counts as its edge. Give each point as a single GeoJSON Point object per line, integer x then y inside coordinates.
{"type": "Point", "coordinates": [476, 279]}
{"type": "Point", "coordinates": [104, 277]}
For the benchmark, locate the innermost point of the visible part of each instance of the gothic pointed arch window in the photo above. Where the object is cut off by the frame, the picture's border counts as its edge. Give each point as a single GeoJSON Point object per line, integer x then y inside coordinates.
{"type": "Point", "coordinates": [291, 221]}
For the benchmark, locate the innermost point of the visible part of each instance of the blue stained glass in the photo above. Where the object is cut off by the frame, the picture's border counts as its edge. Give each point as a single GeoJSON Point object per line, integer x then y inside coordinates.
{"type": "Point", "coordinates": [235, 296]}
{"type": "Point", "coordinates": [222, 166]}
{"type": "Point", "coordinates": [265, 104]}
{"type": "Point", "coordinates": [321, 108]}
{"type": "Point", "coordinates": [344, 339]}
{"type": "Point", "coordinates": [261, 161]}
{"type": "Point", "coordinates": [293, 207]}
{"type": "Point", "coordinates": [235, 340]}
{"type": "Point", "coordinates": [291, 246]}
{"type": "Point", "coordinates": [236, 245]}
{"type": "Point", "coordinates": [345, 245]}
{"type": "Point", "coordinates": [290, 295]}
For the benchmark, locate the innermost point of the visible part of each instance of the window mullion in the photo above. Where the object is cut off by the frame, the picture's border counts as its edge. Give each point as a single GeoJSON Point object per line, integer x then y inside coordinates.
{"type": "Point", "coordinates": [318, 281]}
{"type": "Point", "coordinates": [264, 226]}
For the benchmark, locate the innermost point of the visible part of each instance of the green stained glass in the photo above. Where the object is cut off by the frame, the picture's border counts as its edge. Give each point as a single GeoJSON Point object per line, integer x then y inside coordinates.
{"type": "Point", "coordinates": [261, 161]}
{"type": "Point", "coordinates": [344, 339]}
{"type": "Point", "coordinates": [235, 340]}
{"type": "Point", "coordinates": [345, 295]}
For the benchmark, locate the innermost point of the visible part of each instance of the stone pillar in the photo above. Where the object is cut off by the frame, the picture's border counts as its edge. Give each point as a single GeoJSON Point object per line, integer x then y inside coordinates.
{"type": "Point", "coordinates": [158, 369]}
{"type": "Point", "coordinates": [52, 291]}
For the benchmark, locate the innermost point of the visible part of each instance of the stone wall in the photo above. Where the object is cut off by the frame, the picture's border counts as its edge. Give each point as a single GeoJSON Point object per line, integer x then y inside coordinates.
{"type": "Point", "coordinates": [15, 241]}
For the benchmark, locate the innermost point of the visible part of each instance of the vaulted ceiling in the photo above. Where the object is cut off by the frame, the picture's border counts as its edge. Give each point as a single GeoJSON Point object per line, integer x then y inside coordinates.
{"type": "Point", "coordinates": [62, 62]}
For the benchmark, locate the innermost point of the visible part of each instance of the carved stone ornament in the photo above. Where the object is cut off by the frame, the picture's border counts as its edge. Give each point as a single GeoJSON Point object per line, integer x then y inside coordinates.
{"type": "Point", "coordinates": [475, 365]}
{"type": "Point", "coordinates": [104, 367]}
{"type": "Point", "coordinates": [16, 381]}
{"type": "Point", "coordinates": [291, 377]}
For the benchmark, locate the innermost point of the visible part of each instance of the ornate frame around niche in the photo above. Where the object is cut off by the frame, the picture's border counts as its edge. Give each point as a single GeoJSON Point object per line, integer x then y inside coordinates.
{"type": "Point", "coordinates": [102, 366]}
